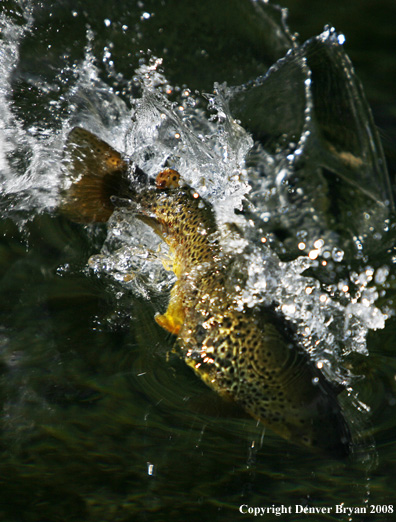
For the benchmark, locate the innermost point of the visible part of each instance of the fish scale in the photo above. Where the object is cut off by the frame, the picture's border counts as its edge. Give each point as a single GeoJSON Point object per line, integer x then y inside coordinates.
{"type": "Point", "coordinates": [250, 356]}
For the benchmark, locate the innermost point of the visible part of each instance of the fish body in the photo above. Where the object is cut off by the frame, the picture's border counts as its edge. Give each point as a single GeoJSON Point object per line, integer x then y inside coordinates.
{"type": "Point", "coordinates": [249, 356]}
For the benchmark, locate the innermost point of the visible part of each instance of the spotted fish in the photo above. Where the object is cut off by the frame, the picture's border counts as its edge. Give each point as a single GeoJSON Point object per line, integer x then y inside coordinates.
{"type": "Point", "coordinates": [250, 356]}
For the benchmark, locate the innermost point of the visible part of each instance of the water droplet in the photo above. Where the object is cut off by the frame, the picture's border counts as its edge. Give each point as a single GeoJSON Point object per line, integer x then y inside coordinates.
{"type": "Point", "coordinates": [313, 254]}
{"type": "Point", "coordinates": [381, 275]}
{"type": "Point", "coordinates": [288, 309]}
{"type": "Point", "coordinates": [337, 254]}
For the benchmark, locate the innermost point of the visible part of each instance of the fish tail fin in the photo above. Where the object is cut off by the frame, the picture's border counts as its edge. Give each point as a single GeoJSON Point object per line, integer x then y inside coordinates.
{"type": "Point", "coordinates": [97, 172]}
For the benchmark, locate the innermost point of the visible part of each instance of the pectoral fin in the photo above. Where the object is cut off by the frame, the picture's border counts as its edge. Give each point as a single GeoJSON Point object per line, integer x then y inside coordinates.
{"type": "Point", "coordinates": [97, 172]}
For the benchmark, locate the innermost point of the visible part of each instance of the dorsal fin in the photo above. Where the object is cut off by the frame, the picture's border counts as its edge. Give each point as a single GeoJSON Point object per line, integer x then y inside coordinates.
{"type": "Point", "coordinates": [97, 172]}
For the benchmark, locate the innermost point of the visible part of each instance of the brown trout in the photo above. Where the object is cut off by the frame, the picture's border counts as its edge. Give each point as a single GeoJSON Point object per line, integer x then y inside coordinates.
{"type": "Point", "coordinates": [249, 356]}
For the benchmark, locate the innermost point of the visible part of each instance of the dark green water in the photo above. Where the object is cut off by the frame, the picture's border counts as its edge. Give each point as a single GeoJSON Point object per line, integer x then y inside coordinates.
{"type": "Point", "coordinates": [101, 423]}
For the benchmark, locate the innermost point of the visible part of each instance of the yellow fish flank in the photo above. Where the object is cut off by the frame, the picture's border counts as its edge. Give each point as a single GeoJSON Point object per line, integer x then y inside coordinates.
{"type": "Point", "coordinates": [248, 356]}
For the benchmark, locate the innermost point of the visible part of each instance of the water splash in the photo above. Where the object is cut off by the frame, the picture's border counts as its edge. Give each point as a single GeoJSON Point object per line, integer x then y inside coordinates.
{"type": "Point", "coordinates": [254, 186]}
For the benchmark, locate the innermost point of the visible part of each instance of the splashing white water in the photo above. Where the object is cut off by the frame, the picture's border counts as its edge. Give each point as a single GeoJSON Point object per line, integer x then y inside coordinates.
{"type": "Point", "coordinates": [211, 154]}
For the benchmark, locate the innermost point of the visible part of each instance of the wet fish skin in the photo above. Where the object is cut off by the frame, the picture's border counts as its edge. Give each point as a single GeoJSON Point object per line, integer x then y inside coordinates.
{"type": "Point", "coordinates": [249, 356]}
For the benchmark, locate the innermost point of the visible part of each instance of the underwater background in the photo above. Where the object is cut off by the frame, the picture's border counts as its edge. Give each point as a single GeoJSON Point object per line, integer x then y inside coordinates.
{"type": "Point", "coordinates": [100, 421]}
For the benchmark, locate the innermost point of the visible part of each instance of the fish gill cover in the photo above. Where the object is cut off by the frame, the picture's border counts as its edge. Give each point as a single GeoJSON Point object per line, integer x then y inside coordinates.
{"type": "Point", "coordinates": [289, 158]}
